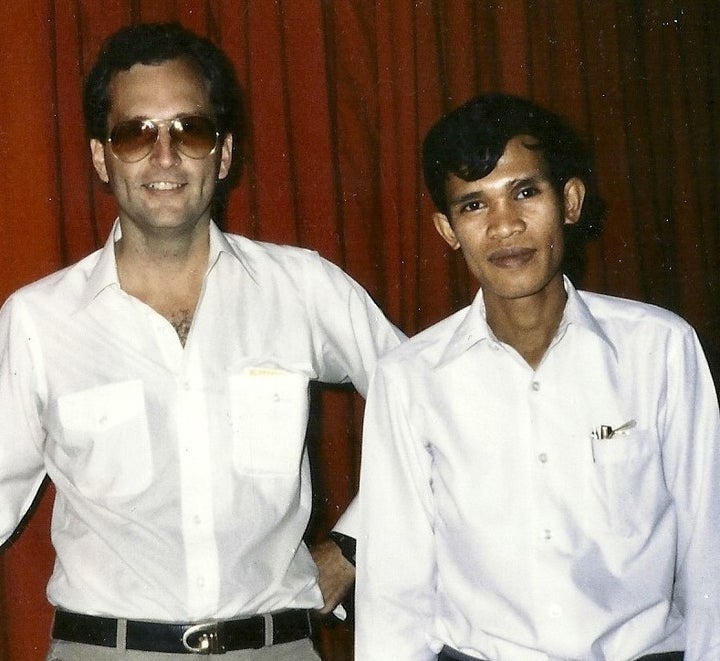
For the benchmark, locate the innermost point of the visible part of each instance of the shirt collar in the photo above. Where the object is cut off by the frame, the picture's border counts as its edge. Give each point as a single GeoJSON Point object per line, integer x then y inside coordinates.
{"type": "Point", "coordinates": [577, 313]}
{"type": "Point", "coordinates": [104, 273]}
{"type": "Point", "coordinates": [473, 328]}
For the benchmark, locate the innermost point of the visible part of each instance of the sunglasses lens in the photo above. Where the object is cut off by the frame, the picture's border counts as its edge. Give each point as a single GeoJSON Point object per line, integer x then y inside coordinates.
{"type": "Point", "coordinates": [195, 136]}
{"type": "Point", "coordinates": [133, 140]}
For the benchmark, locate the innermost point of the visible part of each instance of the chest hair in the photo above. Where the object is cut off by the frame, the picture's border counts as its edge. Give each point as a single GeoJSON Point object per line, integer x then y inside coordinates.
{"type": "Point", "coordinates": [181, 321]}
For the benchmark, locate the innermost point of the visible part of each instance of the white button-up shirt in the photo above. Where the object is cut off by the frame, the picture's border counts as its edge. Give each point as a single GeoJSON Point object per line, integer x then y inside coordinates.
{"type": "Point", "coordinates": [182, 479]}
{"type": "Point", "coordinates": [500, 518]}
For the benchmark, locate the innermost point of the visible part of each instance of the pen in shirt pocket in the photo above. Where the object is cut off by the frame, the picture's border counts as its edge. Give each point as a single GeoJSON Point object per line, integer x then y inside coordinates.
{"type": "Point", "coordinates": [605, 432]}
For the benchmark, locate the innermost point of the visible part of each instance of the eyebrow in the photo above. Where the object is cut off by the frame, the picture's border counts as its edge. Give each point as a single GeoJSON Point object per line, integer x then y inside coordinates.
{"type": "Point", "coordinates": [473, 195]}
{"type": "Point", "coordinates": [181, 115]}
{"type": "Point", "coordinates": [514, 183]}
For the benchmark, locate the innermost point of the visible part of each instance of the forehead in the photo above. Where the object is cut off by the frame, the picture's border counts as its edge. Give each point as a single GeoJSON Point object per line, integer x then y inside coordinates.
{"type": "Point", "coordinates": [157, 90]}
{"type": "Point", "coordinates": [518, 163]}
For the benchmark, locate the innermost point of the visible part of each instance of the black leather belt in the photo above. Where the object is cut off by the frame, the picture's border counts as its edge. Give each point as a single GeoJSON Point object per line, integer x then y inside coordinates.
{"type": "Point", "coordinates": [449, 654]}
{"type": "Point", "coordinates": [212, 637]}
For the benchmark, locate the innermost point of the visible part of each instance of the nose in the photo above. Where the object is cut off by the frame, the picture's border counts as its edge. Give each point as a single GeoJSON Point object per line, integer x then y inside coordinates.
{"type": "Point", "coordinates": [164, 152]}
{"type": "Point", "coordinates": [504, 220]}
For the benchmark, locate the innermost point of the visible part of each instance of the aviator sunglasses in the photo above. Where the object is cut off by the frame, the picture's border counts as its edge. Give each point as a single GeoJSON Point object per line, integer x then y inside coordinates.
{"type": "Point", "coordinates": [194, 136]}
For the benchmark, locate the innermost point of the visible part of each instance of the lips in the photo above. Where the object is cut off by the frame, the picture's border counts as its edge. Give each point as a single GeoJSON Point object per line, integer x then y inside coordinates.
{"type": "Point", "coordinates": [511, 257]}
{"type": "Point", "coordinates": [164, 185]}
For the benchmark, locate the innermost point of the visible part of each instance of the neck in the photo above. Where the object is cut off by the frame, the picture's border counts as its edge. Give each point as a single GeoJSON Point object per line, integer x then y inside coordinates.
{"type": "Point", "coordinates": [165, 273]}
{"type": "Point", "coordinates": [164, 247]}
{"type": "Point", "coordinates": [528, 324]}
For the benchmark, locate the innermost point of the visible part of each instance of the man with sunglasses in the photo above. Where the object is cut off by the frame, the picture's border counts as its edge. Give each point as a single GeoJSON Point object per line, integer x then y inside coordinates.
{"type": "Point", "coordinates": [162, 384]}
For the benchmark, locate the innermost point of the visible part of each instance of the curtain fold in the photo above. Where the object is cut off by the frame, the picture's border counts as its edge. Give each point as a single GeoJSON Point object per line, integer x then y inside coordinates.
{"type": "Point", "coordinates": [338, 97]}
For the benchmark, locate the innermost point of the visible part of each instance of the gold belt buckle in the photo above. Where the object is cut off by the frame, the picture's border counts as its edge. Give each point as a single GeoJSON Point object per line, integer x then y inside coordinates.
{"type": "Point", "coordinates": [203, 639]}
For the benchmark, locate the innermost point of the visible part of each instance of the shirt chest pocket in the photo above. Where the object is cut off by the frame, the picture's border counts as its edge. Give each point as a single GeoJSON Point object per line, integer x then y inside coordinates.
{"type": "Point", "coordinates": [269, 410]}
{"type": "Point", "coordinates": [106, 444]}
{"type": "Point", "coordinates": [628, 481]}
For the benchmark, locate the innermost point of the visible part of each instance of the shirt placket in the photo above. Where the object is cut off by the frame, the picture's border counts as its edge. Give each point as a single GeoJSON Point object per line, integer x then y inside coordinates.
{"type": "Point", "coordinates": [548, 599]}
{"type": "Point", "coordinates": [195, 474]}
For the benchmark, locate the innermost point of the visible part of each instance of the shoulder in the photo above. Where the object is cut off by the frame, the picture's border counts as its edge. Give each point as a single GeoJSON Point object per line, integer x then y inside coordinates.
{"type": "Point", "coordinates": [59, 285]}
{"type": "Point", "coordinates": [641, 331]}
{"type": "Point", "coordinates": [632, 315]}
{"type": "Point", "coordinates": [248, 248]}
{"type": "Point", "coordinates": [262, 257]}
{"type": "Point", "coordinates": [424, 351]}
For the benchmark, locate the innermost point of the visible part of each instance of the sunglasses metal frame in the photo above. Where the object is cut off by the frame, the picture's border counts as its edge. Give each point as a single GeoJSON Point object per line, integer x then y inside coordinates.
{"type": "Point", "coordinates": [175, 130]}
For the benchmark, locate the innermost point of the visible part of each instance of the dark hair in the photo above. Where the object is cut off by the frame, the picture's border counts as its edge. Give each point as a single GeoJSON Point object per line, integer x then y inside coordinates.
{"type": "Point", "coordinates": [468, 142]}
{"type": "Point", "coordinates": [155, 43]}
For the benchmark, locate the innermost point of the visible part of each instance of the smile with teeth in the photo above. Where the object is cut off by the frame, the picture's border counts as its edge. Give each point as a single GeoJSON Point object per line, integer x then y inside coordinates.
{"type": "Point", "coordinates": [164, 185]}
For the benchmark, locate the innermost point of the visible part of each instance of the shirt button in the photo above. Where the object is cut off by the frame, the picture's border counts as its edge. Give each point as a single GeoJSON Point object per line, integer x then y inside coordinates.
{"type": "Point", "coordinates": [201, 582]}
{"type": "Point", "coordinates": [547, 533]}
{"type": "Point", "coordinates": [536, 385]}
{"type": "Point", "coordinates": [543, 458]}
{"type": "Point", "coordinates": [555, 611]}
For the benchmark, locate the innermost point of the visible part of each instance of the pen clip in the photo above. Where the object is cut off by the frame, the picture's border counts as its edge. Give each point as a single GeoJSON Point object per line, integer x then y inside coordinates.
{"type": "Point", "coordinates": [604, 432]}
{"type": "Point", "coordinates": [622, 428]}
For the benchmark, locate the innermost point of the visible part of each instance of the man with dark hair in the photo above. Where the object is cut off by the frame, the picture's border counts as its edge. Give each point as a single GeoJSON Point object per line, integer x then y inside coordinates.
{"type": "Point", "coordinates": [154, 44]}
{"type": "Point", "coordinates": [162, 384]}
{"type": "Point", "coordinates": [541, 470]}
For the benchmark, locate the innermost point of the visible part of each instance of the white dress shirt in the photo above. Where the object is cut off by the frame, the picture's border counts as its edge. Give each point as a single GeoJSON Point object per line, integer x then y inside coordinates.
{"type": "Point", "coordinates": [495, 522]}
{"type": "Point", "coordinates": [183, 488]}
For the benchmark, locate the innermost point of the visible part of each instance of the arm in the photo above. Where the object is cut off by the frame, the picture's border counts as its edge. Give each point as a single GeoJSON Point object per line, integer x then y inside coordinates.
{"type": "Point", "coordinates": [396, 562]}
{"type": "Point", "coordinates": [21, 464]}
{"type": "Point", "coordinates": [355, 333]}
{"type": "Point", "coordinates": [336, 574]}
{"type": "Point", "coordinates": [351, 330]}
{"type": "Point", "coordinates": [692, 455]}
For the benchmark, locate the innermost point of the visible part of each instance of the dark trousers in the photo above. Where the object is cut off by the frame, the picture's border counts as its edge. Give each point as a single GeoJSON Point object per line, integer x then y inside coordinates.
{"type": "Point", "coordinates": [449, 654]}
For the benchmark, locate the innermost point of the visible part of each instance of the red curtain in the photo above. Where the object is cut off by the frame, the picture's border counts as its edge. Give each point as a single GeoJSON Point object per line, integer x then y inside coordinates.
{"type": "Point", "coordinates": [339, 95]}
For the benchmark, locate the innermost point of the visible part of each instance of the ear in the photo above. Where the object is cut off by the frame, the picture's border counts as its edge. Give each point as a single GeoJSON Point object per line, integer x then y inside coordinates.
{"type": "Point", "coordinates": [97, 150]}
{"type": "Point", "coordinates": [445, 230]}
{"type": "Point", "coordinates": [225, 156]}
{"type": "Point", "coordinates": [573, 196]}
